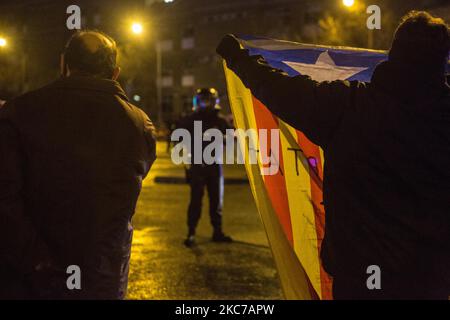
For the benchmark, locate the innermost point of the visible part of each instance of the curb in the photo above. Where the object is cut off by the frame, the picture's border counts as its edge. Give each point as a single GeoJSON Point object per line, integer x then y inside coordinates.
{"type": "Point", "coordinates": [182, 180]}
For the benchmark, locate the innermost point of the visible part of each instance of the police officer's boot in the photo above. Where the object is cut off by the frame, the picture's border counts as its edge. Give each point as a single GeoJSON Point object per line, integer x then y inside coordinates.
{"type": "Point", "coordinates": [219, 236]}
{"type": "Point", "coordinates": [190, 240]}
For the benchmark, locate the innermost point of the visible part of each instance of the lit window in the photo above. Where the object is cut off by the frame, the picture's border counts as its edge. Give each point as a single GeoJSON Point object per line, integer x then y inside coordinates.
{"type": "Point", "coordinates": [167, 81]}
{"type": "Point", "coordinates": [188, 43]}
{"type": "Point", "coordinates": [205, 59]}
{"type": "Point", "coordinates": [188, 80]}
{"type": "Point", "coordinates": [166, 45]}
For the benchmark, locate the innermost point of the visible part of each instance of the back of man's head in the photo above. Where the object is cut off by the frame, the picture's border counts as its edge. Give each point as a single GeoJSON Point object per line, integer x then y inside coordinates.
{"type": "Point", "coordinates": [422, 41]}
{"type": "Point", "coordinates": [91, 53]}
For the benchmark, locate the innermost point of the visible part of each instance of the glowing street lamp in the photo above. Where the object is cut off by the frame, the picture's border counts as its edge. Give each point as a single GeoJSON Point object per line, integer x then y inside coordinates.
{"type": "Point", "coordinates": [354, 7]}
{"type": "Point", "coordinates": [348, 3]}
{"type": "Point", "coordinates": [137, 28]}
{"type": "Point", "coordinates": [3, 42]}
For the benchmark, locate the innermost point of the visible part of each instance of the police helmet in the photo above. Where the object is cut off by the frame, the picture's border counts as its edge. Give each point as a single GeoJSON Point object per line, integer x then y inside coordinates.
{"type": "Point", "coordinates": [206, 99]}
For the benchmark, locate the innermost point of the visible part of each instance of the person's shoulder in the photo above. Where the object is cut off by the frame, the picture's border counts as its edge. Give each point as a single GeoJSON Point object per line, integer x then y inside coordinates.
{"type": "Point", "coordinates": [132, 107]}
{"type": "Point", "coordinates": [221, 118]}
{"type": "Point", "coordinates": [143, 118]}
{"type": "Point", "coordinates": [23, 102]}
{"type": "Point", "coordinates": [138, 112]}
{"type": "Point", "coordinates": [222, 122]}
{"type": "Point", "coordinates": [32, 97]}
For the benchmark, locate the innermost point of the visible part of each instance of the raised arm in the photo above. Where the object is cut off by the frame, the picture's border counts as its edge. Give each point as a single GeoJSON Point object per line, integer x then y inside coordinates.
{"type": "Point", "coordinates": [312, 107]}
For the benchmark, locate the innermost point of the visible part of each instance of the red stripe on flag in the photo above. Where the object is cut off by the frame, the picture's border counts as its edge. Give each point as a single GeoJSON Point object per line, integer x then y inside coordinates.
{"type": "Point", "coordinates": [312, 152]}
{"type": "Point", "coordinates": [275, 184]}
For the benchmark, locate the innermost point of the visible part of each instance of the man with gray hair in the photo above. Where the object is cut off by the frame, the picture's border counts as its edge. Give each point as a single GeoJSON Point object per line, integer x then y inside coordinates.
{"type": "Point", "coordinates": [72, 159]}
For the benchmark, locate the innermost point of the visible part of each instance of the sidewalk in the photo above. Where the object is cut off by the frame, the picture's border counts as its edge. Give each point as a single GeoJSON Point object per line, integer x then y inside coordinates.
{"type": "Point", "coordinates": [162, 268]}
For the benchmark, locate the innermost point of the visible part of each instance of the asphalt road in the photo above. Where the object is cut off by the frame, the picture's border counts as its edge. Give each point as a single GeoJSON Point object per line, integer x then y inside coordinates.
{"type": "Point", "coordinates": [162, 268]}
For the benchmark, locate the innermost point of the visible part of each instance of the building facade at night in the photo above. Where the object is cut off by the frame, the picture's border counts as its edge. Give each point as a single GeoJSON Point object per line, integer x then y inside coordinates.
{"type": "Point", "coordinates": [186, 31]}
{"type": "Point", "coordinates": [189, 31]}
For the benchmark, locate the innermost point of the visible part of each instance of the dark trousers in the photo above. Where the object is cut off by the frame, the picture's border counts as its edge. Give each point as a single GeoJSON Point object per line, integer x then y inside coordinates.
{"type": "Point", "coordinates": [211, 178]}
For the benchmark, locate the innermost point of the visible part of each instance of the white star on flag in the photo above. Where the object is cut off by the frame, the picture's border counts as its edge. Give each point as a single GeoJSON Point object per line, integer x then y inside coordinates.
{"type": "Point", "coordinates": [325, 69]}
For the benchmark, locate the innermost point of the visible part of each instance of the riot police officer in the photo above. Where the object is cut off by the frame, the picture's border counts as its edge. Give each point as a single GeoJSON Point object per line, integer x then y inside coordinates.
{"type": "Point", "coordinates": [205, 176]}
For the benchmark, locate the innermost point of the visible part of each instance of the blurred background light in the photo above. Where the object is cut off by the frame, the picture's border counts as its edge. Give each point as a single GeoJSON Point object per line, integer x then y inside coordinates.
{"type": "Point", "coordinates": [348, 3]}
{"type": "Point", "coordinates": [137, 28]}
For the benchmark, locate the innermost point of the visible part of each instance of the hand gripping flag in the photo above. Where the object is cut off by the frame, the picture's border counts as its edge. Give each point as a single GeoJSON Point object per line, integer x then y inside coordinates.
{"type": "Point", "coordinates": [290, 201]}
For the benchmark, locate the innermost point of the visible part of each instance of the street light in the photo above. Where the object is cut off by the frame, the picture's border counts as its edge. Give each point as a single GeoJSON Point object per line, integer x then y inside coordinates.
{"type": "Point", "coordinates": [137, 28]}
{"type": "Point", "coordinates": [355, 7]}
{"type": "Point", "coordinates": [3, 42]}
{"type": "Point", "coordinates": [348, 3]}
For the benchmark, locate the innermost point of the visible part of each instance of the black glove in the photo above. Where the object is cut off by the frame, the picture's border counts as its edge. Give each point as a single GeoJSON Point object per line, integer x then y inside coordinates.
{"type": "Point", "coordinates": [229, 48]}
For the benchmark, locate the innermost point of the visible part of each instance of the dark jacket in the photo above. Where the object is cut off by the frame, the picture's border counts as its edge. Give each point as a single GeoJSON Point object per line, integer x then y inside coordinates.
{"type": "Point", "coordinates": [387, 163]}
{"type": "Point", "coordinates": [72, 159]}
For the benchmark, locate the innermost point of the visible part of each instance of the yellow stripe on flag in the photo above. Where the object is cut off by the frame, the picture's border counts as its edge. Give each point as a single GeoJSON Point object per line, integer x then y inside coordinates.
{"type": "Point", "coordinates": [292, 275]}
{"type": "Point", "coordinates": [298, 185]}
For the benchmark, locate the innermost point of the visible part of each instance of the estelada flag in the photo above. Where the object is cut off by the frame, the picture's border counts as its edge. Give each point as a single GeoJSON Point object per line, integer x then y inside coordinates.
{"type": "Point", "coordinates": [290, 202]}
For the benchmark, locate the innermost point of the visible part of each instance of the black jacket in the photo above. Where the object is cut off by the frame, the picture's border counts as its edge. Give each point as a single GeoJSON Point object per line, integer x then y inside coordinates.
{"type": "Point", "coordinates": [72, 159]}
{"type": "Point", "coordinates": [387, 163]}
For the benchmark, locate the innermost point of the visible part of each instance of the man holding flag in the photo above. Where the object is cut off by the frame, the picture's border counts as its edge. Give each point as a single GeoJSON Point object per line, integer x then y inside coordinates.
{"type": "Point", "coordinates": [386, 148]}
